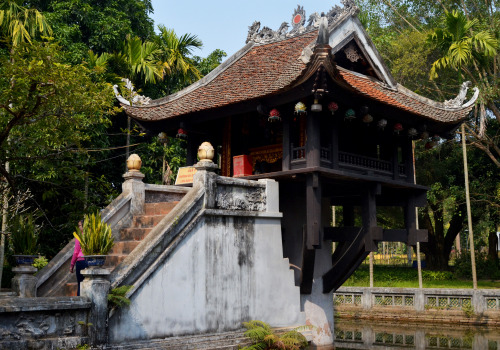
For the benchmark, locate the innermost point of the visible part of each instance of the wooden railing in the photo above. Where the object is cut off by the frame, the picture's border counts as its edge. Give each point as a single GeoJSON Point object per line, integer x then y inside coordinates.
{"type": "Point", "coordinates": [362, 162]}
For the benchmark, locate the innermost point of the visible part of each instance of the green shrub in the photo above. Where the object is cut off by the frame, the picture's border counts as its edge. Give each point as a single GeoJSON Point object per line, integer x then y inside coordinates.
{"type": "Point", "coordinates": [23, 234]}
{"type": "Point", "coordinates": [40, 262]}
{"type": "Point", "coordinates": [485, 268]}
{"type": "Point", "coordinates": [96, 238]}
{"type": "Point", "coordinates": [117, 297]}
{"type": "Point", "coordinates": [263, 338]}
{"type": "Point", "coordinates": [428, 275]}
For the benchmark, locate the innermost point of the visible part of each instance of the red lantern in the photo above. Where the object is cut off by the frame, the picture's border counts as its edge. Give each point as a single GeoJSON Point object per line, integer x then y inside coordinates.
{"type": "Point", "coordinates": [333, 107]}
{"type": "Point", "coordinates": [274, 115]}
{"type": "Point", "coordinates": [398, 127]}
{"type": "Point", "coordinates": [181, 134]}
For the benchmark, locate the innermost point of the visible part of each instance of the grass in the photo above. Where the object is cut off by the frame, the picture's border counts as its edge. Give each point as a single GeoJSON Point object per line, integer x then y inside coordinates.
{"type": "Point", "coordinates": [407, 277]}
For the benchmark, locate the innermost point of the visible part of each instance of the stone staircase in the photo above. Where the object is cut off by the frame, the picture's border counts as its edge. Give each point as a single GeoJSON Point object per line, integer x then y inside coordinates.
{"type": "Point", "coordinates": [130, 237]}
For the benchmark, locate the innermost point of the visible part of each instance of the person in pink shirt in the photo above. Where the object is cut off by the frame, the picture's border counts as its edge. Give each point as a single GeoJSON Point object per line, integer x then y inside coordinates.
{"type": "Point", "coordinates": [78, 259]}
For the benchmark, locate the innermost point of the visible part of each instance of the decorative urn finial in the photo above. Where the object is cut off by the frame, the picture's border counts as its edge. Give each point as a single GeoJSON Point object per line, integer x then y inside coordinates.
{"type": "Point", "coordinates": [134, 162]}
{"type": "Point", "coordinates": [206, 152]}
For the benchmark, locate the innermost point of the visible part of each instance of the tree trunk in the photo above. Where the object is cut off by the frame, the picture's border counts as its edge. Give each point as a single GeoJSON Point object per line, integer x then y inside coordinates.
{"type": "Point", "coordinates": [493, 247]}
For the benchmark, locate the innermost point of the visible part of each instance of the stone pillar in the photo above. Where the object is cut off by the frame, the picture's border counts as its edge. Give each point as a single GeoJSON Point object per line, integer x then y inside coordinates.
{"type": "Point", "coordinates": [24, 283]}
{"type": "Point", "coordinates": [419, 300]}
{"type": "Point", "coordinates": [367, 299]}
{"type": "Point", "coordinates": [133, 184]}
{"type": "Point", "coordinates": [272, 195]}
{"type": "Point", "coordinates": [205, 173]}
{"type": "Point", "coordinates": [95, 287]}
{"type": "Point", "coordinates": [318, 306]}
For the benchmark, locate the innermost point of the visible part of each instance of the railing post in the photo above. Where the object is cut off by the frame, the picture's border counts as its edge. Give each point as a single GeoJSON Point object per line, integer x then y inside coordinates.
{"type": "Point", "coordinates": [133, 184]}
{"type": "Point", "coordinates": [367, 299]}
{"type": "Point", "coordinates": [478, 302]}
{"type": "Point", "coordinates": [205, 174]}
{"type": "Point", "coordinates": [419, 299]}
{"type": "Point", "coordinates": [24, 282]}
{"type": "Point", "coordinates": [95, 287]}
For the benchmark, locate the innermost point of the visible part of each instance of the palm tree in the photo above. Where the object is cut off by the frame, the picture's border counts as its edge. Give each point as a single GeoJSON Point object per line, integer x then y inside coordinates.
{"type": "Point", "coordinates": [138, 61]}
{"type": "Point", "coordinates": [179, 68]}
{"type": "Point", "coordinates": [466, 51]}
{"type": "Point", "coordinates": [19, 24]}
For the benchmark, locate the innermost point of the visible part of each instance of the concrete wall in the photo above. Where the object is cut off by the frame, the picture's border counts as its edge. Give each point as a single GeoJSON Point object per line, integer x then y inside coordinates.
{"type": "Point", "coordinates": [229, 268]}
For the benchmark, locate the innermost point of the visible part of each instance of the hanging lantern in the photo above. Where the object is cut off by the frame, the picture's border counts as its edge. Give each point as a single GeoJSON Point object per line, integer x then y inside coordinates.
{"type": "Point", "coordinates": [300, 108]}
{"type": "Point", "coordinates": [350, 114]}
{"type": "Point", "coordinates": [398, 127]}
{"type": "Point", "coordinates": [425, 135]}
{"type": "Point", "coordinates": [316, 107]}
{"type": "Point", "coordinates": [367, 119]}
{"type": "Point", "coordinates": [181, 134]}
{"type": "Point", "coordinates": [412, 132]}
{"type": "Point", "coordinates": [162, 137]}
{"type": "Point", "coordinates": [333, 107]}
{"type": "Point", "coordinates": [382, 123]}
{"type": "Point", "coordinates": [274, 116]}
{"type": "Point", "coordinates": [364, 110]}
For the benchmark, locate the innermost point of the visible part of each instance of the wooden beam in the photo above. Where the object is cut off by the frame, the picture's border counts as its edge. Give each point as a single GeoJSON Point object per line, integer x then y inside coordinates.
{"type": "Point", "coordinates": [285, 162]}
{"type": "Point", "coordinates": [313, 201]}
{"type": "Point", "coordinates": [415, 236]}
{"type": "Point", "coordinates": [307, 267]}
{"type": "Point", "coordinates": [340, 234]}
{"type": "Point", "coordinates": [313, 136]}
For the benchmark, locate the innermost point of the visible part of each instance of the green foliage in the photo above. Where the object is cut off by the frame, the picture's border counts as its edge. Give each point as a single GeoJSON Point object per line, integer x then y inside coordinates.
{"type": "Point", "coordinates": [264, 338]}
{"type": "Point", "coordinates": [117, 296]}
{"type": "Point", "coordinates": [96, 238]}
{"type": "Point", "coordinates": [23, 234]}
{"type": "Point", "coordinates": [20, 24]}
{"type": "Point", "coordinates": [485, 267]}
{"type": "Point", "coordinates": [40, 262]}
{"type": "Point", "coordinates": [96, 25]}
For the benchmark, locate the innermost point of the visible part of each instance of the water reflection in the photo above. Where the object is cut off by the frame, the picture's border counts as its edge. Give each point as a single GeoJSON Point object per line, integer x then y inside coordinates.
{"type": "Point", "coordinates": [368, 334]}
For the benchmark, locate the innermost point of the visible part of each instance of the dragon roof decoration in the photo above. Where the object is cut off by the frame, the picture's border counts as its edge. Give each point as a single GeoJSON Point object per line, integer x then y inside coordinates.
{"type": "Point", "coordinates": [267, 35]}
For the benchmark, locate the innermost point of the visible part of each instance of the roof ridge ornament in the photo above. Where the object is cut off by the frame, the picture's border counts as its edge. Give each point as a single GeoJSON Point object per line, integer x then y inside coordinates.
{"type": "Point", "coordinates": [458, 101]}
{"type": "Point", "coordinates": [137, 100]}
{"type": "Point", "coordinates": [267, 35]}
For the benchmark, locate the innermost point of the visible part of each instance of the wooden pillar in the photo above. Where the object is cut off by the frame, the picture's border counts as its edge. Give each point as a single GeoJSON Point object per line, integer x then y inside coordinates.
{"type": "Point", "coordinates": [226, 148]}
{"type": "Point", "coordinates": [285, 162]}
{"type": "Point", "coordinates": [313, 202]}
{"type": "Point", "coordinates": [409, 162]}
{"type": "Point", "coordinates": [335, 145]}
{"type": "Point", "coordinates": [348, 215]}
{"type": "Point", "coordinates": [313, 143]}
{"type": "Point", "coordinates": [191, 150]}
{"type": "Point", "coordinates": [395, 162]}
{"type": "Point", "coordinates": [369, 218]}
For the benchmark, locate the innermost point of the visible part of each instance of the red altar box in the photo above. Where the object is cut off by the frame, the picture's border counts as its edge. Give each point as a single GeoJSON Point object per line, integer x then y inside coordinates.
{"type": "Point", "coordinates": [242, 166]}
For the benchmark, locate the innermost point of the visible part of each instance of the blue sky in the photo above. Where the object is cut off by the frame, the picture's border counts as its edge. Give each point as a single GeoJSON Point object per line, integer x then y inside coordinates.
{"type": "Point", "coordinates": [223, 24]}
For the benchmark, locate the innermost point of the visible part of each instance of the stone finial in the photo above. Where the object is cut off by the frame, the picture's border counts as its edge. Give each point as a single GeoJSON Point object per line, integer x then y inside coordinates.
{"type": "Point", "coordinates": [206, 152]}
{"type": "Point", "coordinates": [134, 162]}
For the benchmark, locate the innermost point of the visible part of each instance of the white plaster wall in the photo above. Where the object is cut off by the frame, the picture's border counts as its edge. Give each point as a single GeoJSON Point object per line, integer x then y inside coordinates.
{"type": "Point", "coordinates": [226, 271]}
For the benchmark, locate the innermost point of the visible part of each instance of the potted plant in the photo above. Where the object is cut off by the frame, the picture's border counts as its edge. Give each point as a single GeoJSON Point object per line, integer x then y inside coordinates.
{"type": "Point", "coordinates": [23, 238]}
{"type": "Point", "coordinates": [96, 239]}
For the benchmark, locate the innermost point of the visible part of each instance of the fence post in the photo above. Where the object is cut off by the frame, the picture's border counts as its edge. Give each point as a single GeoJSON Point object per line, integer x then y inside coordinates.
{"type": "Point", "coordinates": [419, 299]}
{"type": "Point", "coordinates": [367, 299]}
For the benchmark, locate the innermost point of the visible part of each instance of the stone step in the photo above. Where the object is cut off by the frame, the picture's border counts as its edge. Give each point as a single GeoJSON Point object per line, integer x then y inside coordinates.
{"type": "Point", "coordinates": [146, 221]}
{"type": "Point", "coordinates": [134, 234]}
{"type": "Point", "coordinates": [70, 289]}
{"type": "Point", "coordinates": [221, 341]}
{"type": "Point", "coordinates": [162, 208]}
{"type": "Point", "coordinates": [112, 260]}
{"type": "Point", "coordinates": [123, 247]}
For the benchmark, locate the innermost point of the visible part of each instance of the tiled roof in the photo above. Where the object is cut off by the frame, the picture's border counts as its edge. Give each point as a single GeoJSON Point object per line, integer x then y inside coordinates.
{"type": "Point", "coordinates": [403, 99]}
{"type": "Point", "coordinates": [263, 70]}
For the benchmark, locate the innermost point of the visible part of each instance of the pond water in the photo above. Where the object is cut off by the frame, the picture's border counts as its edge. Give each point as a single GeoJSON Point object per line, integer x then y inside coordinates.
{"type": "Point", "coordinates": [369, 334]}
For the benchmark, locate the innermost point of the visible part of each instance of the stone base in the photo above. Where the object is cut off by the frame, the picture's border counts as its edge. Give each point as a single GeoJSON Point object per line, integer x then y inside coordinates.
{"type": "Point", "coordinates": [24, 283]}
